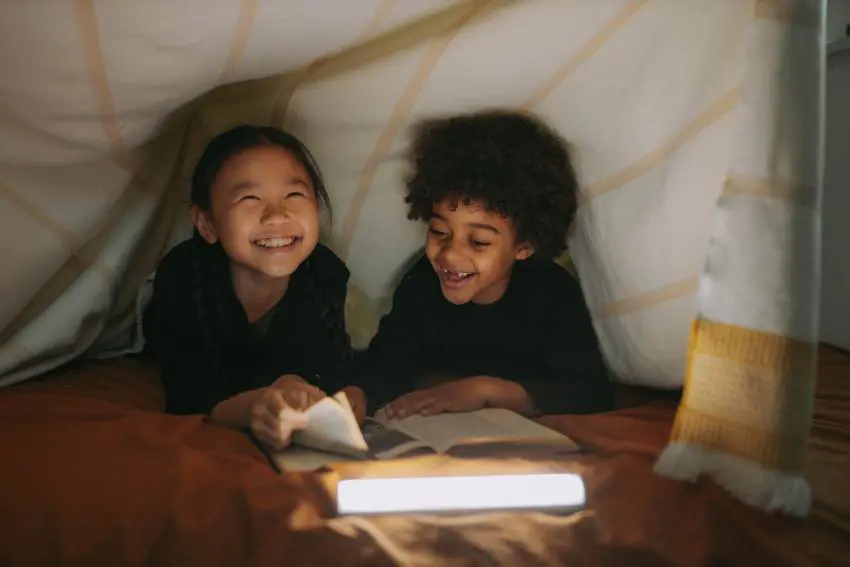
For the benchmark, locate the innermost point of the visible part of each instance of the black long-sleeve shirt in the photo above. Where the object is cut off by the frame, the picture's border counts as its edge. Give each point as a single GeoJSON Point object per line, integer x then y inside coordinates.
{"type": "Point", "coordinates": [538, 334]}
{"type": "Point", "coordinates": [199, 371]}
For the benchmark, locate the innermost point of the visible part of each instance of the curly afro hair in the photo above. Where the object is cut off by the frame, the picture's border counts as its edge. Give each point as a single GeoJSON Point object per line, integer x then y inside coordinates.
{"type": "Point", "coordinates": [509, 162]}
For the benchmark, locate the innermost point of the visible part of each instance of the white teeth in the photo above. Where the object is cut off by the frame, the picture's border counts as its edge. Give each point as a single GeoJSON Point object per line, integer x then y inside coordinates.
{"type": "Point", "coordinates": [456, 274]}
{"type": "Point", "coordinates": [275, 242]}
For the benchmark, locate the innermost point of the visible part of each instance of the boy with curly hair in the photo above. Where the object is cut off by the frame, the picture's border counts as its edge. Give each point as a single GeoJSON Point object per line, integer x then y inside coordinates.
{"type": "Point", "coordinates": [486, 318]}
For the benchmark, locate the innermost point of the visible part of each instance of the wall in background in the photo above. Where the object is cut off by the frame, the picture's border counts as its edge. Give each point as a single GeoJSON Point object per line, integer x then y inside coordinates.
{"type": "Point", "coordinates": [835, 283]}
{"type": "Point", "coordinates": [838, 17]}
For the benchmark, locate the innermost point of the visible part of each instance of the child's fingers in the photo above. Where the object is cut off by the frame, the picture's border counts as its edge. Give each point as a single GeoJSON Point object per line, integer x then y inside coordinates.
{"type": "Point", "coordinates": [271, 436]}
{"type": "Point", "coordinates": [291, 396]}
{"type": "Point", "coordinates": [399, 406]}
{"type": "Point", "coordinates": [292, 419]}
{"type": "Point", "coordinates": [302, 396]}
{"type": "Point", "coordinates": [276, 430]}
{"type": "Point", "coordinates": [267, 409]}
{"type": "Point", "coordinates": [307, 397]}
{"type": "Point", "coordinates": [437, 406]}
{"type": "Point", "coordinates": [393, 409]}
{"type": "Point", "coordinates": [274, 421]}
{"type": "Point", "coordinates": [275, 402]}
{"type": "Point", "coordinates": [315, 395]}
{"type": "Point", "coordinates": [297, 399]}
{"type": "Point", "coordinates": [414, 404]}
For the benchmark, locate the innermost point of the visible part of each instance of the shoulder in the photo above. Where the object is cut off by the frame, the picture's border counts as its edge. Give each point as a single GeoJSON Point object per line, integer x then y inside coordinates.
{"type": "Point", "coordinates": [420, 269]}
{"type": "Point", "coordinates": [181, 255]}
{"type": "Point", "coordinates": [549, 282]}
{"type": "Point", "coordinates": [418, 287]}
{"type": "Point", "coordinates": [175, 269]}
{"type": "Point", "coordinates": [328, 265]}
{"type": "Point", "coordinates": [169, 311]}
{"type": "Point", "coordinates": [329, 269]}
{"type": "Point", "coordinates": [419, 276]}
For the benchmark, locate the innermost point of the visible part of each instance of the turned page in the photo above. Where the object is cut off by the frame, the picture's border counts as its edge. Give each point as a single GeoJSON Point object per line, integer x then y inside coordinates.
{"type": "Point", "coordinates": [333, 427]}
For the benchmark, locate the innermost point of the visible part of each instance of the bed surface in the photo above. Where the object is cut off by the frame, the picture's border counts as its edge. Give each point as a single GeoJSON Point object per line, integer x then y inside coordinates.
{"type": "Point", "coordinates": [95, 474]}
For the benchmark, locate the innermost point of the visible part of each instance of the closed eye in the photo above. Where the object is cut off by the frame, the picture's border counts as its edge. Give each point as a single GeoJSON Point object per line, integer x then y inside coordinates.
{"type": "Point", "coordinates": [293, 194]}
{"type": "Point", "coordinates": [248, 198]}
{"type": "Point", "coordinates": [438, 233]}
{"type": "Point", "coordinates": [480, 244]}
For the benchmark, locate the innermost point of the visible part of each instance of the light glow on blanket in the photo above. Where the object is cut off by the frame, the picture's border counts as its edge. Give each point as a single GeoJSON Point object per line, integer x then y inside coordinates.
{"type": "Point", "coordinates": [456, 494]}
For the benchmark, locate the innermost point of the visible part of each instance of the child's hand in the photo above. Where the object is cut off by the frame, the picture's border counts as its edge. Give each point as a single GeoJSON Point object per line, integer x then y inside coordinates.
{"type": "Point", "coordinates": [273, 420]}
{"type": "Point", "coordinates": [357, 399]}
{"type": "Point", "coordinates": [297, 392]}
{"type": "Point", "coordinates": [468, 394]}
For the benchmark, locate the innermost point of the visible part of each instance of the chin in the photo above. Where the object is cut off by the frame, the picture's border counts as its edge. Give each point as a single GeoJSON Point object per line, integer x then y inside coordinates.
{"type": "Point", "coordinates": [457, 299]}
{"type": "Point", "coordinates": [276, 272]}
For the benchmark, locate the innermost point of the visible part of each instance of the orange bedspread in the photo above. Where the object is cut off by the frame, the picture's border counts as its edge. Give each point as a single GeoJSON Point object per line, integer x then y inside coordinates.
{"type": "Point", "coordinates": [94, 474]}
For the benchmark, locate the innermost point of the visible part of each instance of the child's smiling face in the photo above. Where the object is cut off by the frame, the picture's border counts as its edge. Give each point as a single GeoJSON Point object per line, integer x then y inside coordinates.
{"type": "Point", "coordinates": [473, 251]}
{"type": "Point", "coordinates": [263, 211]}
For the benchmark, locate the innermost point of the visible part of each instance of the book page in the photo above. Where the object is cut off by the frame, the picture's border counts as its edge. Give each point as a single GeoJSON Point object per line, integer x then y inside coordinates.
{"type": "Point", "coordinates": [387, 443]}
{"type": "Point", "coordinates": [333, 427]}
{"type": "Point", "coordinates": [302, 459]}
{"type": "Point", "coordinates": [493, 425]}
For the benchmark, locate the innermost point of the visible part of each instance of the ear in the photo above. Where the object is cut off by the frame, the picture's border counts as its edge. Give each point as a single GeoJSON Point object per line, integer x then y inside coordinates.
{"type": "Point", "coordinates": [524, 252]}
{"type": "Point", "coordinates": [202, 221]}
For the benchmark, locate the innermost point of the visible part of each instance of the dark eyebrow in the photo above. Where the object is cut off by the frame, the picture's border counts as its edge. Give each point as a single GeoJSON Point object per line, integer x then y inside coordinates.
{"type": "Point", "coordinates": [483, 227]}
{"type": "Point", "coordinates": [477, 225]}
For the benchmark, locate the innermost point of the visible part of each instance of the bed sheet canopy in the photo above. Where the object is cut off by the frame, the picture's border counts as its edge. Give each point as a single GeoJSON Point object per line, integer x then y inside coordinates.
{"type": "Point", "coordinates": [696, 129]}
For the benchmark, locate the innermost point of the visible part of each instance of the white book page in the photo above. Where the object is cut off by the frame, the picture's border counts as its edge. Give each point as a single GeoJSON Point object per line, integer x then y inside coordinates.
{"type": "Point", "coordinates": [332, 426]}
{"type": "Point", "coordinates": [443, 431]}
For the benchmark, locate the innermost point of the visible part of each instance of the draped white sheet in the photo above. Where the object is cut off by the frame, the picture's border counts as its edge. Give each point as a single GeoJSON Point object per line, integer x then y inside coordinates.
{"type": "Point", "coordinates": [666, 103]}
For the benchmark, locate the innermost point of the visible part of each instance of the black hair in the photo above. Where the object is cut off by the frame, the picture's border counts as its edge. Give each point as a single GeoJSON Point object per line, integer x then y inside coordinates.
{"type": "Point", "coordinates": [217, 152]}
{"type": "Point", "coordinates": [510, 162]}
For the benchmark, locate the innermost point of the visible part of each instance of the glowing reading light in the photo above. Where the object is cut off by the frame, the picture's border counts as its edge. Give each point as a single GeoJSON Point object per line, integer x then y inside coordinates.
{"type": "Point", "coordinates": [562, 492]}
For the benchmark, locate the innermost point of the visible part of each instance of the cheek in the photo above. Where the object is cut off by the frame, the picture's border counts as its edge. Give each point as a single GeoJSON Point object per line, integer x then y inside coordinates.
{"type": "Point", "coordinates": [493, 264]}
{"type": "Point", "coordinates": [432, 247]}
{"type": "Point", "coordinates": [233, 221]}
{"type": "Point", "coordinates": [308, 217]}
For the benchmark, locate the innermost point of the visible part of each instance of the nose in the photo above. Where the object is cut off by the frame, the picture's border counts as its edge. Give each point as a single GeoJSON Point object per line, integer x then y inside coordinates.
{"type": "Point", "coordinates": [275, 213]}
{"type": "Point", "coordinates": [451, 251]}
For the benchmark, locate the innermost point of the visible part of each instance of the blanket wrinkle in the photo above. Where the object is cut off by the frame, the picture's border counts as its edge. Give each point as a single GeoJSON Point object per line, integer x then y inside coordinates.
{"type": "Point", "coordinates": [96, 474]}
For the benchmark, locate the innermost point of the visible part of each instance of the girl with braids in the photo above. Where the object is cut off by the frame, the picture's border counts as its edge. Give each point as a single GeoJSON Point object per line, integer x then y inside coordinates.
{"type": "Point", "coordinates": [246, 318]}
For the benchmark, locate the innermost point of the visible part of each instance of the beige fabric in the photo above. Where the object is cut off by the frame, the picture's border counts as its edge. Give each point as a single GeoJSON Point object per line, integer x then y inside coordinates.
{"type": "Point", "coordinates": [669, 106]}
{"type": "Point", "coordinates": [749, 389]}
{"type": "Point", "coordinates": [100, 138]}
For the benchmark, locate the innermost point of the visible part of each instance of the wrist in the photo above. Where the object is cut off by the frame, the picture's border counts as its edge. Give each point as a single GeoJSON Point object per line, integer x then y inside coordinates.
{"type": "Point", "coordinates": [501, 393]}
{"type": "Point", "coordinates": [236, 411]}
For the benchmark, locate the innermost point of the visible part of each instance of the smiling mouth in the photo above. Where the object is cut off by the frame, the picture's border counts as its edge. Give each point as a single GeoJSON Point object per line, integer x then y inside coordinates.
{"type": "Point", "coordinates": [277, 243]}
{"type": "Point", "coordinates": [455, 277]}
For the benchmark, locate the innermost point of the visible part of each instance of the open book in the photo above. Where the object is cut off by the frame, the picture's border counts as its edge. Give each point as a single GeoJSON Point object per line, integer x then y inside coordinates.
{"type": "Point", "coordinates": [332, 434]}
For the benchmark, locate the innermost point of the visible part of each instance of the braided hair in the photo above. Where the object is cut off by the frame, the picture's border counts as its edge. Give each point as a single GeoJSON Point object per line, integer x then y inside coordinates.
{"type": "Point", "coordinates": [219, 150]}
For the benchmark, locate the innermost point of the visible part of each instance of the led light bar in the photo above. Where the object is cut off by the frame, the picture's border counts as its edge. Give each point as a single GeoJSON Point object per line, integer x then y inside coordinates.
{"type": "Point", "coordinates": [552, 492]}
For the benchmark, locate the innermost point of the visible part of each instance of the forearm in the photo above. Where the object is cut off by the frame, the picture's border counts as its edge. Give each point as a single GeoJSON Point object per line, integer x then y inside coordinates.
{"type": "Point", "coordinates": [235, 412]}
{"type": "Point", "coordinates": [553, 392]}
{"type": "Point", "coordinates": [509, 395]}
